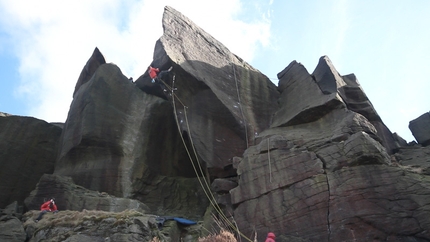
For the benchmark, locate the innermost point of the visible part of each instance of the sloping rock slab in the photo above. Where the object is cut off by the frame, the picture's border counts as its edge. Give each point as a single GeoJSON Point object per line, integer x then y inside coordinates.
{"type": "Point", "coordinates": [307, 98]}
{"type": "Point", "coordinates": [381, 203]}
{"type": "Point", "coordinates": [302, 100]}
{"type": "Point", "coordinates": [330, 81]}
{"type": "Point", "coordinates": [11, 229]}
{"type": "Point", "coordinates": [281, 185]}
{"type": "Point", "coordinates": [92, 225]}
{"type": "Point", "coordinates": [69, 196]}
{"type": "Point", "coordinates": [420, 128]}
{"type": "Point", "coordinates": [96, 60]}
{"type": "Point", "coordinates": [298, 212]}
{"type": "Point", "coordinates": [415, 158]}
{"type": "Point", "coordinates": [281, 167]}
{"type": "Point", "coordinates": [227, 101]}
{"type": "Point", "coordinates": [289, 182]}
{"type": "Point", "coordinates": [114, 132]}
{"type": "Point", "coordinates": [359, 149]}
{"type": "Point", "coordinates": [173, 196]}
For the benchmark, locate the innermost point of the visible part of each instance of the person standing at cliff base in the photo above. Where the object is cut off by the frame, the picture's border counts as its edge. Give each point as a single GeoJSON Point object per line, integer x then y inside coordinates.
{"type": "Point", "coordinates": [48, 206]}
{"type": "Point", "coordinates": [270, 237]}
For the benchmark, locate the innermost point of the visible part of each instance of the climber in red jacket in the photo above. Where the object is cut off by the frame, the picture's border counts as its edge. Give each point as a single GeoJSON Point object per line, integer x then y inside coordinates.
{"type": "Point", "coordinates": [153, 72]}
{"type": "Point", "coordinates": [48, 206]}
{"type": "Point", "coordinates": [270, 237]}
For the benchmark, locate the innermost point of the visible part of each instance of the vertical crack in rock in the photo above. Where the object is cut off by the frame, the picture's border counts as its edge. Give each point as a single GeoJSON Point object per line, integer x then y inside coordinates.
{"type": "Point", "coordinates": [319, 168]}
{"type": "Point", "coordinates": [328, 206]}
{"type": "Point", "coordinates": [328, 196]}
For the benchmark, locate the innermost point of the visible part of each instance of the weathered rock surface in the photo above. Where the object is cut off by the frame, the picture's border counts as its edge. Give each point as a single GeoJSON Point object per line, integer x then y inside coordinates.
{"type": "Point", "coordinates": [302, 100]}
{"type": "Point", "coordinates": [28, 148]}
{"type": "Point", "coordinates": [354, 97]}
{"type": "Point", "coordinates": [90, 225]}
{"type": "Point", "coordinates": [420, 128]}
{"type": "Point", "coordinates": [414, 158]}
{"type": "Point", "coordinates": [227, 100]}
{"type": "Point", "coordinates": [11, 227]}
{"type": "Point", "coordinates": [96, 60]}
{"type": "Point", "coordinates": [306, 98]}
{"type": "Point", "coordinates": [175, 196]}
{"type": "Point", "coordinates": [310, 160]}
{"type": "Point", "coordinates": [400, 142]}
{"type": "Point", "coordinates": [4, 114]}
{"type": "Point", "coordinates": [69, 196]}
{"type": "Point", "coordinates": [311, 178]}
{"type": "Point", "coordinates": [285, 187]}
{"type": "Point", "coordinates": [378, 203]}
{"type": "Point", "coordinates": [103, 140]}
{"type": "Point", "coordinates": [122, 141]}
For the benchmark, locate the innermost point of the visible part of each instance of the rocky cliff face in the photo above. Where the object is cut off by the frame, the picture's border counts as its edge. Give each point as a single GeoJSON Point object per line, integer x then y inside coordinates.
{"type": "Point", "coordinates": [223, 100]}
{"type": "Point", "coordinates": [27, 150]}
{"type": "Point", "coordinates": [309, 159]}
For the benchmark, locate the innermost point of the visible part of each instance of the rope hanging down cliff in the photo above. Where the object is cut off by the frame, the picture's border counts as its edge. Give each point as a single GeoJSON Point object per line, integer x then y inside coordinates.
{"type": "Point", "coordinates": [239, 101]}
{"type": "Point", "coordinates": [205, 186]}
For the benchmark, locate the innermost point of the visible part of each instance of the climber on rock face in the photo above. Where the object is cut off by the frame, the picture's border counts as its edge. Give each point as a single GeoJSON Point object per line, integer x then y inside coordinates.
{"type": "Point", "coordinates": [270, 237]}
{"type": "Point", "coordinates": [158, 76]}
{"type": "Point", "coordinates": [153, 72]}
{"type": "Point", "coordinates": [163, 74]}
{"type": "Point", "coordinates": [48, 206]}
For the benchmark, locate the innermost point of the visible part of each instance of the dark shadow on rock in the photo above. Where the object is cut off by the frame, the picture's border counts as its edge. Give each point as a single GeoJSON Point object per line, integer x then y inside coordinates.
{"type": "Point", "coordinates": [28, 147]}
{"type": "Point", "coordinates": [114, 130]}
{"type": "Point", "coordinates": [96, 60]}
{"type": "Point", "coordinates": [218, 121]}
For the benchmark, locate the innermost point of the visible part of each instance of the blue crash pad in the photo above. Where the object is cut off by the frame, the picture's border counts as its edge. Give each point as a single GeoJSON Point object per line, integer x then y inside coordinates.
{"type": "Point", "coordinates": [184, 221]}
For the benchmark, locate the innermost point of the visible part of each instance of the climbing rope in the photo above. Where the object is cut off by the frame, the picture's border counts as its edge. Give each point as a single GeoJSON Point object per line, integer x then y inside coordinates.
{"type": "Point", "coordinates": [238, 98]}
{"type": "Point", "coordinates": [268, 154]}
{"type": "Point", "coordinates": [205, 187]}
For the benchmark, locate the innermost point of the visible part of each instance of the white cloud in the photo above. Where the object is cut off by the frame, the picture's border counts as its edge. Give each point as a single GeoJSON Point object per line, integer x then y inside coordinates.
{"type": "Point", "coordinates": [54, 39]}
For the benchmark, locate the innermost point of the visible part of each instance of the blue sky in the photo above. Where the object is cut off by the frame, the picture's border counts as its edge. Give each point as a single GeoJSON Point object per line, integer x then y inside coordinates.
{"type": "Point", "coordinates": [45, 44]}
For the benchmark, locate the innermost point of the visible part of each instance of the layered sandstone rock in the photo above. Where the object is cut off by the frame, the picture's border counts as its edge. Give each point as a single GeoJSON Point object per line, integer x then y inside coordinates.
{"type": "Point", "coordinates": [96, 60]}
{"type": "Point", "coordinates": [28, 148]}
{"type": "Point", "coordinates": [103, 134]}
{"type": "Point", "coordinates": [122, 141]}
{"type": "Point", "coordinates": [11, 226]}
{"type": "Point", "coordinates": [69, 196]}
{"type": "Point", "coordinates": [92, 225]}
{"type": "Point", "coordinates": [420, 128]}
{"type": "Point", "coordinates": [222, 101]}
{"type": "Point", "coordinates": [323, 172]}
{"type": "Point", "coordinates": [310, 160]}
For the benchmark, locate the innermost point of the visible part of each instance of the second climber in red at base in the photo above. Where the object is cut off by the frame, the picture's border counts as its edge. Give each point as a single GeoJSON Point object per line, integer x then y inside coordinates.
{"type": "Point", "coordinates": [48, 206]}
{"type": "Point", "coordinates": [270, 237]}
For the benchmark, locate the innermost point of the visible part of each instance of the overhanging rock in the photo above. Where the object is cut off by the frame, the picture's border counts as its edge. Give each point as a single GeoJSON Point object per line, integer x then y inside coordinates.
{"type": "Point", "coordinates": [420, 128]}
{"type": "Point", "coordinates": [227, 100]}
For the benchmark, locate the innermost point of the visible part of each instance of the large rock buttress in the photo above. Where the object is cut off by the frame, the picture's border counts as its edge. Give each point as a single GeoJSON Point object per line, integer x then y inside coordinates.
{"type": "Point", "coordinates": [69, 196]}
{"type": "Point", "coordinates": [28, 148]}
{"type": "Point", "coordinates": [310, 160]}
{"type": "Point", "coordinates": [323, 171]}
{"type": "Point", "coordinates": [227, 101]}
{"type": "Point", "coordinates": [115, 135]}
{"type": "Point", "coordinates": [96, 60]}
{"type": "Point", "coordinates": [306, 98]}
{"type": "Point", "coordinates": [420, 128]}
{"type": "Point", "coordinates": [100, 143]}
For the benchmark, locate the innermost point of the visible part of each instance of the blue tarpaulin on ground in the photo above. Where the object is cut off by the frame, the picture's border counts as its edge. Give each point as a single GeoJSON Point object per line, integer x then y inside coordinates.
{"type": "Point", "coordinates": [184, 221]}
{"type": "Point", "coordinates": [161, 219]}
